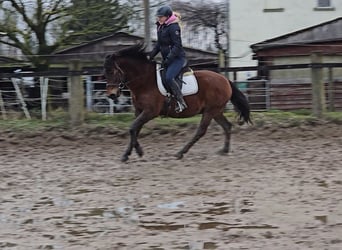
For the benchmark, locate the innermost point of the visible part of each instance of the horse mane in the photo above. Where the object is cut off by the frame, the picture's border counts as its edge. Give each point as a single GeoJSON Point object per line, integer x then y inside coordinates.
{"type": "Point", "coordinates": [136, 51]}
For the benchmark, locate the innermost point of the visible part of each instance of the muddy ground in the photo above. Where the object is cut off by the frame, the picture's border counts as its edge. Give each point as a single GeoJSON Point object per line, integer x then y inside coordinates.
{"type": "Point", "coordinates": [280, 188]}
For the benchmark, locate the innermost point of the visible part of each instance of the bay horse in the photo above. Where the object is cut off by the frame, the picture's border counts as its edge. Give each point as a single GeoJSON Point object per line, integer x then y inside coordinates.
{"type": "Point", "coordinates": [131, 68]}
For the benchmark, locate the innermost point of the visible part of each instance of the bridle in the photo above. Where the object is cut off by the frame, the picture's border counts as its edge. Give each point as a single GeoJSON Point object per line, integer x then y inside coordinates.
{"type": "Point", "coordinates": [122, 83]}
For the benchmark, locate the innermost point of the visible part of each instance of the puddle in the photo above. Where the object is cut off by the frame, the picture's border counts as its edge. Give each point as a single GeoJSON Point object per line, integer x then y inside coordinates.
{"type": "Point", "coordinates": [211, 225]}
{"type": "Point", "coordinates": [83, 191]}
{"type": "Point", "coordinates": [226, 226]}
{"type": "Point", "coordinates": [83, 232]}
{"type": "Point", "coordinates": [219, 208]}
{"type": "Point", "coordinates": [62, 202]}
{"type": "Point", "coordinates": [244, 205]}
{"type": "Point", "coordinates": [28, 221]}
{"type": "Point", "coordinates": [166, 227]}
{"type": "Point", "coordinates": [44, 201]}
{"type": "Point", "coordinates": [172, 205]}
{"type": "Point", "coordinates": [323, 184]}
{"type": "Point", "coordinates": [202, 226]}
{"type": "Point", "coordinates": [46, 247]}
{"type": "Point", "coordinates": [322, 218]}
{"type": "Point", "coordinates": [218, 211]}
{"type": "Point", "coordinates": [92, 212]}
{"type": "Point", "coordinates": [49, 236]}
{"type": "Point", "coordinates": [201, 245]}
{"type": "Point", "coordinates": [69, 222]}
{"type": "Point", "coordinates": [7, 244]}
{"type": "Point", "coordinates": [209, 245]}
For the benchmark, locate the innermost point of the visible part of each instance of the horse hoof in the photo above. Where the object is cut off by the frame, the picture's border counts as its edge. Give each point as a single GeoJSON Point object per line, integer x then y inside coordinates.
{"type": "Point", "coordinates": [124, 158]}
{"type": "Point", "coordinates": [139, 151]}
{"type": "Point", "coordinates": [223, 152]}
{"type": "Point", "coordinates": [179, 155]}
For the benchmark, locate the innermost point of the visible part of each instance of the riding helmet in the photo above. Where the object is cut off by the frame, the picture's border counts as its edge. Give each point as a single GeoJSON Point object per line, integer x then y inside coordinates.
{"type": "Point", "coordinates": [164, 11]}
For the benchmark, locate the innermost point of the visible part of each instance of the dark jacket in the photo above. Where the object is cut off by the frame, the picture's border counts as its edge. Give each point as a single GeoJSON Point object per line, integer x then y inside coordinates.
{"type": "Point", "coordinates": [169, 42]}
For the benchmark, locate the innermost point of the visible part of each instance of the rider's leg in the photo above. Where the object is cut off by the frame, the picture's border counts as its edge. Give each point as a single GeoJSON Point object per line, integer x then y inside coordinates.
{"type": "Point", "coordinates": [177, 93]}
{"type": "Point", "coordinates": [172, 71]}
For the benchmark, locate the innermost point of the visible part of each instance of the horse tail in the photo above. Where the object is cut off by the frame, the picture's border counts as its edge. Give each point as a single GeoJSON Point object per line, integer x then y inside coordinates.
{"type": "Point", "coordinates": [241, 104]}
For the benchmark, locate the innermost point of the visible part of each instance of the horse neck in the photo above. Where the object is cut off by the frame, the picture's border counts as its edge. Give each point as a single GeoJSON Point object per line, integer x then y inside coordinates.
{"type": "Point", "coordinates": [139, 75]}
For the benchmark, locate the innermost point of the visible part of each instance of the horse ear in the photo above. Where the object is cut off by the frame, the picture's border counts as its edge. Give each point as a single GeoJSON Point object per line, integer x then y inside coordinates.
{"type": "Point", "coordinates": [141, 46]}
{"type": "Point", "coordinates": [109, 59]}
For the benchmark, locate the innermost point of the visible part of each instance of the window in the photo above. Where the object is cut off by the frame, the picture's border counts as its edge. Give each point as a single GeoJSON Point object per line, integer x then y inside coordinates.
{"type": "Point", "coordinates": [323, 3]}
{"type": "Point", "coordinates": [273, 6]}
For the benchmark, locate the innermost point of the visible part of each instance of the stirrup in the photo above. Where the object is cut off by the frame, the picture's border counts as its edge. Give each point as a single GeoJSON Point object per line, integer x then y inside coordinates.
{"type": "Point", "coordinates": [180, 107]}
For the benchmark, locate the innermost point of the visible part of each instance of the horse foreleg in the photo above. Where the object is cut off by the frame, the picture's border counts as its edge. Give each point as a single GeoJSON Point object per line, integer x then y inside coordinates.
{"type": "Point", "coordinates": [227, 127]}
{"type": "Point", "coordinates": [134, 132]}
{"type": "Point", "coordinates": [137, 146]}
{"type": "Point", "coordinates": [201, 130]}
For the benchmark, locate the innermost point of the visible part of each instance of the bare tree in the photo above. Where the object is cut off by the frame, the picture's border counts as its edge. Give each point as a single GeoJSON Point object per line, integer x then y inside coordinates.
{"type": "Point", "coordinates": [207, 14]}
{"type": "Point", "coordinates": [39, 27]}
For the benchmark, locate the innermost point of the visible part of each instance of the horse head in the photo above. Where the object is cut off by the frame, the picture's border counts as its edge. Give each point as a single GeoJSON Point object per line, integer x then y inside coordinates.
{"type": "Point", "coordinates": [123, 67]}
{"type": "Point", "coordinates": [114, 76]}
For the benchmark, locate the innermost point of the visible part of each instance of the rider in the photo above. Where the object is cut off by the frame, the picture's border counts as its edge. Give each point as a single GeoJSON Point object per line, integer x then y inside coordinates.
{"type": "Point", "coordinates": [169, 43]}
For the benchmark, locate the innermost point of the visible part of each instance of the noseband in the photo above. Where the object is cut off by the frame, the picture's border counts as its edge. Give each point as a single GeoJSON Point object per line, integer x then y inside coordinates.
{"type": "Point", "coordinates": [122, 83]}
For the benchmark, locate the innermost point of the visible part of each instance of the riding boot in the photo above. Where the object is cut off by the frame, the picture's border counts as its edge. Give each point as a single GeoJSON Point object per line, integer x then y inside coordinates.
{"type": "Point", "coordinates": [176, 92]}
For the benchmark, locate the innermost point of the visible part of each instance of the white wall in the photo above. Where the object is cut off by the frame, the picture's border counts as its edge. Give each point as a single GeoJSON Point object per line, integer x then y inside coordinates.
{"type": "Point", "coordinates": [249, 23]}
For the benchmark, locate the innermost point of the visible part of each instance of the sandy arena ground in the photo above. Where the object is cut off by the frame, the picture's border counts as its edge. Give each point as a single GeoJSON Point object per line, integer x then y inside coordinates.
{"type": "Point", "coordinates": [280, 188]}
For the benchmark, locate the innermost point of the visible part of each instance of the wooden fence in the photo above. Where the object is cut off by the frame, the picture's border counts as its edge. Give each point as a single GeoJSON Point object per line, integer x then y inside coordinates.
{"type": "Point", "coordinates": [262, 95]}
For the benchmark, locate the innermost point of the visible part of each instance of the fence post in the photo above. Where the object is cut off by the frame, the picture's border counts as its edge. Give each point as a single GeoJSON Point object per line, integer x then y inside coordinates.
{"type": "Point", "coordinates": [89, 95]}
{"type": "Point", "coordinates": [2, 107]}
{"type": "Point", "coordinates": [318, 91]}
{"type": "Point", "coordinates": [44, 85]}
{"type": "Point", "coordinates": [331, 90]}
{"type": "Point", "coordinates": [21, 98]}
{"type": "Point", "coordinates": [76, 98]}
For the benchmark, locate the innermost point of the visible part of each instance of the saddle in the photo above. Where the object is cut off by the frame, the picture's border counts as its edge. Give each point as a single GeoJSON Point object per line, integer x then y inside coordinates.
{"type": "Point", "coordinates": [186, 78]}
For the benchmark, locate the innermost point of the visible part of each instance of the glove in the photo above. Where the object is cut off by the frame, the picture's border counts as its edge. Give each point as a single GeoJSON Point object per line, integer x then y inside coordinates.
{"type": "Point", "coordinates": [150, 57]}
{"type": "Point", "coordinates": [152, 54]}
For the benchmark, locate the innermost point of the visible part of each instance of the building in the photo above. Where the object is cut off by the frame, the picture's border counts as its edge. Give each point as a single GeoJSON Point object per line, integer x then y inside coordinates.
{"type": "Point", "coordinates": [252, 21]}
{"type": "Point", "coordinates": [296, 48]}
{"type": "Point", "coordinates": [93, 53]}
{"type": "Point", "coordinates": [291, 88]}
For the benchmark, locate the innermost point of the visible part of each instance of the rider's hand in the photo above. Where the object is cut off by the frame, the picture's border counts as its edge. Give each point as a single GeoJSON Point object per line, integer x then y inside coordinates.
{"type": "Point", "coordinates": [149, 57]}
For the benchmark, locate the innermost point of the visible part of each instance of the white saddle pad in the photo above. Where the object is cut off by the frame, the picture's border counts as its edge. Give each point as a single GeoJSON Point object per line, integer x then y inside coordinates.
{"type": "Point", "coordinates": [189, 87]}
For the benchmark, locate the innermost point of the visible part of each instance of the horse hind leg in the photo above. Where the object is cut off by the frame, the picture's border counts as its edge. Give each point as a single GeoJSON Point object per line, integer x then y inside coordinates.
{"type": "Point", "coordinates": [201, 130]}
{"type": "Point", "coordinates": [227, 128]}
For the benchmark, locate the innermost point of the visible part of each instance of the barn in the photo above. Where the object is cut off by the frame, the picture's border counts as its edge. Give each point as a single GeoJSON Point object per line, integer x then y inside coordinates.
{"type": "Point", "coordinates": [291, 88]}
{"type": "Point", "coordinates": [93, 53]}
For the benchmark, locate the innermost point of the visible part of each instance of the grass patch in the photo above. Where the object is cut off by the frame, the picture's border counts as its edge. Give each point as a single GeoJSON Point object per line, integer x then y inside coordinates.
{"type": "Point", "coordinates": [30, 125]}
{"type": "Point", "coordinates": [60, 120]}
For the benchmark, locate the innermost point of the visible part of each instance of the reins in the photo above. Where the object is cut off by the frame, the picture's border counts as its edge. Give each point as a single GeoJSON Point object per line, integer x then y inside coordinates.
{"type": "Point", "coordinates": [122, 83]}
